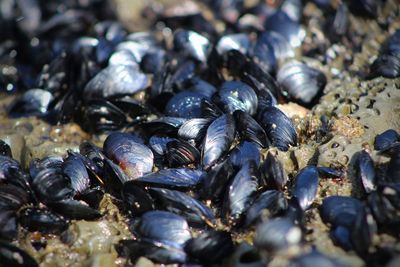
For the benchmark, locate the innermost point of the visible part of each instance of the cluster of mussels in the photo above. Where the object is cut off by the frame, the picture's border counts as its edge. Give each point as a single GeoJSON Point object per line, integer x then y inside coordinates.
{"type": "Point", "coordinates": [190, 114]}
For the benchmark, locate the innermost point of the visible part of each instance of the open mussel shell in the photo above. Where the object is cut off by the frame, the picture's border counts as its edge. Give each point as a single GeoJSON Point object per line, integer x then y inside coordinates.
{"type": "Point", "coordinates": [135, 159]}
{"type": "Point", "coordinates": [219, 137]}
{"type": "Point", "coordinates": [279, 128]}
{"type": "Point", "coordinates": [182, 204]}
{"type": "Point", "coordinates": [301, 83]}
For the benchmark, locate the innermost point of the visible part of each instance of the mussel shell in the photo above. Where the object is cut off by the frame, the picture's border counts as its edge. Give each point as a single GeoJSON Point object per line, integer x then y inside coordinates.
{"type": "Point", "coordinates": [273, 173]}
{"type": "Point", "coordinates": [185, 104]}
{"type": "Point", "coordinates": [51, 185]}
{"type": "Point", "coordinates": [282, 23]}
{"type": "Point", "coordinates": [385, 140]}
{"type": "Point", "coordinates": [74, 210]}
{"type": "Point", "coordinates": [42, 220]}
{"type": "Point", "coordinates": [216, 180]}
{"type": "Point", "coordinates": [340, 210]}
{"type": "Point", "coordinates": [163, 126]}
{"type": "Point", "coordinates": [13, 197]}
{"type": "Point", "coordinates": [244, 152]}
{"type": "Point", "coordinates": [241, 193]}
{"type": "Point", "coordinates": [363, 230]}
{"type": "Point", "coordinates": [115, 80]}
{"type": "Point", "coordinates": [393, 169]}
{"type": "Point", "coordinates": [302, 83]}
{"type": "Point", "coordinates": [279, 128]}
{"type": "Point", "coordinates": [194, 129]}
{"type": "Point", "coordinates": [293, 8]}
{"type": "Point", "coordinates": [366, 171]}
{"type": "Point", "coordinates": [5, 149]}
{"type": "Point", "coordinates": [32, 102]}
{"type": "Point", "coordinates": [11, 255]}
{"type": "Point", "coordinates": [7, 163]}
{"type": "Point", "coordinates": [210, 247]}
{"type": "Point", "coordinates": [315, 258]}
{"type": "Point", "coordinates": [277, 234]}
{"type": "Point", "coordinates": [74, 168]}
{"type": "Point", "coordinates": [136, 200]}
{"type": "Point", "coordinates": [159, 144]}
{"type": "Point", "coordinates": [267, 205]}
{"type": "Point", "coordinates": [306, 186]}
{"type": "Point", "coordinates": [386, 65]}
{"type": "Point", "coordinates": [264, 94]}
{"type": "Point", "coordinates": [159, 252]}
{"type": "Point", "coordinates": [219, 137]}
{"type": "Point", "coordinates": [50, 162]}
{"type": "Point", "coordinates": [8, 225]}
{"type": "Point", "coordinates": [192, 44]}
{"type": "Point", "coordinates": [202, 87]}
{"type": "Point", "coordinates": [179, 178]}
{"type": "Point", "coordinates": [100, 115]}
{"type": "Point", "coordinates": [135, 159]}
{"type": "Point", "coordinates": [249, 129]}
{"type": "Point", "coordinates": [236, 41]}
{"type": "Point", "coordinates": [180, 153]}
{"type": "Point", "coordinates": [163, 226]}
{"type": "Point", "coordinates": [180, 203]}
{"type": "Point", "coordinates": [330, 172]}
{"type": "Point", "coordinates": [366, 8]}
{"type": "Point", "coordinates": [235, 95]}
{"type": "Point", "coordinates": [341, 237]}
